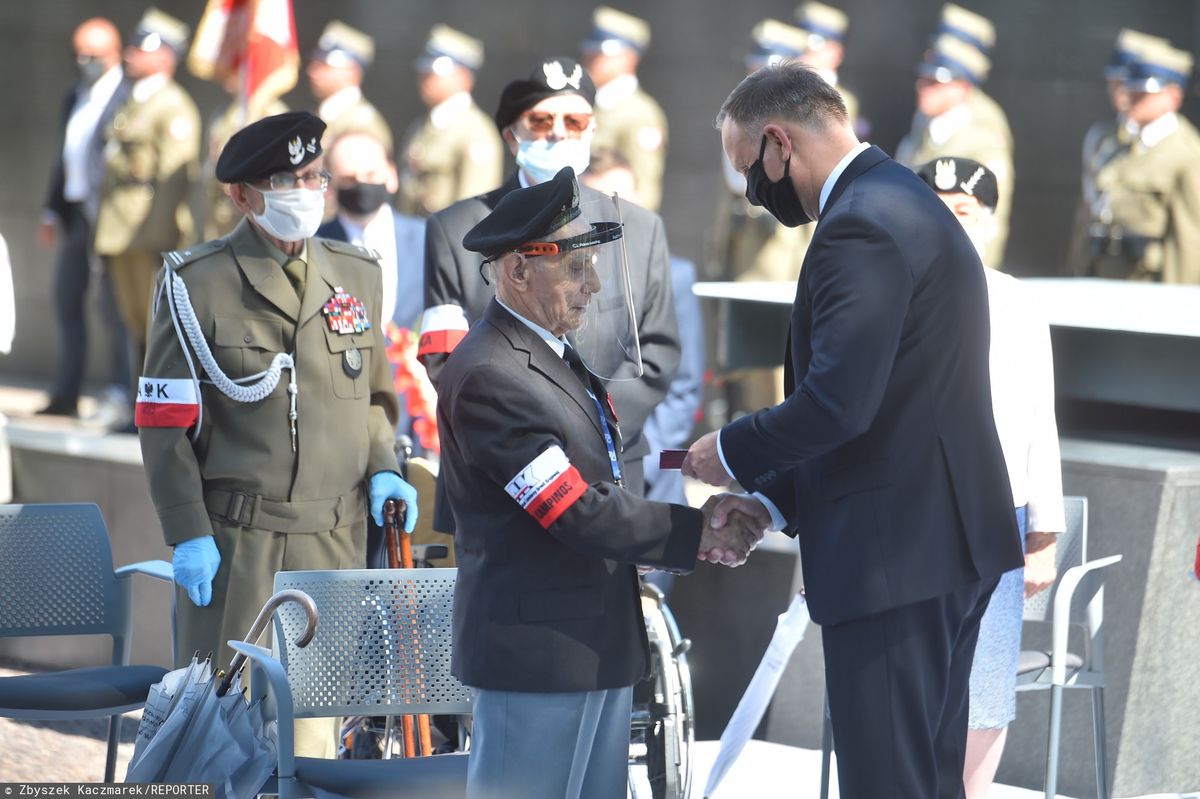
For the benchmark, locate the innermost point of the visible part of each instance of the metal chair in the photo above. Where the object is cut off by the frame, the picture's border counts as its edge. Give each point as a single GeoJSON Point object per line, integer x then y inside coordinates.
{"type": "Point", "coordinates": [382, 648]}
{"type": "Point", "coordinates": [57, 576]}
{"type": "Point", "coordinates": [1075, 599]}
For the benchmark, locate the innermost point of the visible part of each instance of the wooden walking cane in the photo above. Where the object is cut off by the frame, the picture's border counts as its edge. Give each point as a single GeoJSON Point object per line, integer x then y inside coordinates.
{"type": "Point", "coordinates": [399, 548]}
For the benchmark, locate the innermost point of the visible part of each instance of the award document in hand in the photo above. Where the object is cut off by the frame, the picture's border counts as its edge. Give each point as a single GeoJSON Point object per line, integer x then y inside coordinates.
{"type": "Point", "coordinates": [788, 632]}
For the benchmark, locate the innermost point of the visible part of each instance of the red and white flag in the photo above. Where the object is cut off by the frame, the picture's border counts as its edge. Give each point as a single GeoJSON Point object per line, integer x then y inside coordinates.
{"type": "Point", "coordinates": [252, 40]}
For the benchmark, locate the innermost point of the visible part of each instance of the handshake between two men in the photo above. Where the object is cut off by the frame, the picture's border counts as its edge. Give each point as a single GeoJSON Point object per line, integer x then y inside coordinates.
{"type": "Point", "coordinates": [733, 526]}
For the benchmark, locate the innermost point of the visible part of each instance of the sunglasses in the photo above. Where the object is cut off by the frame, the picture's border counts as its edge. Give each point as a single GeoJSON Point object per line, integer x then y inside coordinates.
{"type": "Point", "coordinates": [543, 122]}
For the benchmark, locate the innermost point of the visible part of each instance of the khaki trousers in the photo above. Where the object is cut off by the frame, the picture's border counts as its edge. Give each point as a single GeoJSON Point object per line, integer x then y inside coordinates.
{"type": "Point", "coordinates": [245, 580]}
{"type": "Point", "coordinates": [133, 276]}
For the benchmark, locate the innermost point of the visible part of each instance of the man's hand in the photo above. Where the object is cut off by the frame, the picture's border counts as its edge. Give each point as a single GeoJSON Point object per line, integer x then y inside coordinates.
{"type": "Point", "coordinates": [389, 485]}
{"type": "Point", "coordinates": [1040, 568]}
{"type": "Point", "coordinates": [704, 464]}
{"type": "Point", "coordinates": [47, 234]}
{"type": "Point", "coordinates": [732, 528]}
{"type": "Point", "coordinates": [195, 563]}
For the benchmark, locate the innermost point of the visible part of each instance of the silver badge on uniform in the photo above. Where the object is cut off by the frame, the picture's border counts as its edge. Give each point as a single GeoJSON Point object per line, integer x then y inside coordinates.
{"type": "Point", "coordinates": [352, 362]}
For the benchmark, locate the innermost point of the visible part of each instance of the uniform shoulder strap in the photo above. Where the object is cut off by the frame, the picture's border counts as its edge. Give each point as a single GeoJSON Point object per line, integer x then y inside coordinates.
{"type": "Point", "coordinates": [177, 259]}
{"type": "Point", "coordinates": [346, 248]}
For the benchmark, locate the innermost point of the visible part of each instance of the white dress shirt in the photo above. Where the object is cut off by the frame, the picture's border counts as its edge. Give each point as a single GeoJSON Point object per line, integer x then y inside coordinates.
{"type": "Point", "coordinates": [379, 235]}
{"type": "Point", "coordinates": [81, 132]}
{"type": "Point", "coordinates": [1022, 369]}
{"type": "Point", "coordinates": [333, 106]}
{"type": "Point", "coordinates": [616, 91]}
{"type": "Point", "coordinates": [145, 88]}
{"type": "Point", "coordinates": [945, 125]}
{"type": "Point", "coordinates": [447, 111]}
{"type": "Point", "coordinates": [553, 342]}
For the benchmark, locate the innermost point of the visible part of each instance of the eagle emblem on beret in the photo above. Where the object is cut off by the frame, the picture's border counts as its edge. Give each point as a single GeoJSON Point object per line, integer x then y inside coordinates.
{"type": "Point", "coordinates": [296, 150]}
{"type": "Point", "coordinates": [557, 79]}
{"type": "Point", "coordinates": [945, 175]}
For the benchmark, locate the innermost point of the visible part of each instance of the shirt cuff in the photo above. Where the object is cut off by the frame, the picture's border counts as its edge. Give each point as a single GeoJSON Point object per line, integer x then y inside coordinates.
{"type": "Point", "coordinates": [724, 465]}
{"type": "Point", "coordinates": [777, 520]}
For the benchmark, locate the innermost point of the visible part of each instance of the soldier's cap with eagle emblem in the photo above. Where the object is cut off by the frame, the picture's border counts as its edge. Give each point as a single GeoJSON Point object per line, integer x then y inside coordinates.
{"type": "Point", "coordinates": [550, 77]}
{"type": "Point", "coordinates": [823, 23]}
{"type": "Point", "coordinates": [526, 215]}
{"type": "Point", "coordinates": [280, 143]}
{"type": "Point", "coordinates": [962, 176]}
{"type": "Point", "coordinates": [447, 49]}
{"type": "Point", "coordinates": [775, 41]}
{"type": "Point", "coordinates": [950, 58]}
{"type": "Point", "coordinates": [1158, 66]}
{"type": "Point", "coordinates": [156, 29]}
{"type": "Point", "coordinates": [974, 29]}
{"type": "Point", "coordinates": [613, 31]}
{"type": "Point", "coordinates": [340, 46]}
{"type": "Point", "coordinates": [1127, 49]}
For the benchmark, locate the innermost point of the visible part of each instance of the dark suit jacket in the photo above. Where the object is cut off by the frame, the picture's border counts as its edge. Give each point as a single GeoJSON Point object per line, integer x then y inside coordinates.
{"type": "Point", "coordinates": [547, 598]}
{"type": "Point", "coordinates": [54, 192]}
{"type": "Point", "coordinates": [884, 456]}
{"type": "Point", "coordinates": [452, 278]}
{"type": "Point", "coordinates": [410, 245]}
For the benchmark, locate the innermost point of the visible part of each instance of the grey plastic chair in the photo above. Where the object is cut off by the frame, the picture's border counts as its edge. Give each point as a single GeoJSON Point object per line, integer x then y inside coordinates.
{"type": "Point", "coordinates": [57, 578]}
{"type": "Point", "coordinates": [382, 648]}
{"type": "Point", "coordinates": [1075, 600]}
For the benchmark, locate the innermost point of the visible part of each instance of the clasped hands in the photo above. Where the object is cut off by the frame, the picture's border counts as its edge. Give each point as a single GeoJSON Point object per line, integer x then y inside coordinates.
{"type": "Point", "coordinates": [733, 526]}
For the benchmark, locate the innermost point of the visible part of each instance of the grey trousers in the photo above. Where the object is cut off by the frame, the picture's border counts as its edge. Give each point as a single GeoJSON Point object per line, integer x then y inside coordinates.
{"type": "Point", "coordinates": [550, 745]}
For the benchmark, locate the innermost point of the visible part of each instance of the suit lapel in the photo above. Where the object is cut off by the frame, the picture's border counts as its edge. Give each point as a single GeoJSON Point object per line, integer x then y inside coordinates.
{"type": "Point", "coordinates": [262, 271]}
{"type": "Point", "coordinates": [865, 160]}
{"type": "Point", "coordinates": [543, 360]}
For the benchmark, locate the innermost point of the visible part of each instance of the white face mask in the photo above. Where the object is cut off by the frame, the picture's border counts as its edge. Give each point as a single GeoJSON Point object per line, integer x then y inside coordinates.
{"type": "Point", "coordinates": [292, 215]}
{"type": "Point", "coordinates": [542, 159]}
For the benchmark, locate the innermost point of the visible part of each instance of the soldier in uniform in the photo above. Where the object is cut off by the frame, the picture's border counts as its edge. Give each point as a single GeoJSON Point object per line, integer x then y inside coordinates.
{"type": "Point", "coordinates": [221, 216]}
{"type": "Point", "coordinates": [335, 76]}
{"type": "Point", "coordinates": [628, 119]}
{"type": "Point", "coordinates": [825, 48]}
{"type": "Point", "coordinates": [251, 474]}
{"type": "Point", "coordinates": [1144, 214]}
{"type": "Point", "coordinates": [954, 118]}
{"type": "Point", "coordinates": [454, 152]}
{"type": "Point", "coordinates": [151, 159]}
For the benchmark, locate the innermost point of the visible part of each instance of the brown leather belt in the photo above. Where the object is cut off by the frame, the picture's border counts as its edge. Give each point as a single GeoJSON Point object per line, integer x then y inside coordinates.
{"type": "Point", "coordinates": [303, 516]}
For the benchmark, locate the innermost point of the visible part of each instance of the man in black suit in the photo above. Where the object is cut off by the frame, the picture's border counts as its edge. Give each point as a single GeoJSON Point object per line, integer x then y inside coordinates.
{"type": "Point", "coordinates": [547, 123]}
{"type": "Point", "coordinates": [69, 212]}
{"type": "Point", "coordinates": [548, 624]}
{"type": "Point", "coordinates": [884, 457]}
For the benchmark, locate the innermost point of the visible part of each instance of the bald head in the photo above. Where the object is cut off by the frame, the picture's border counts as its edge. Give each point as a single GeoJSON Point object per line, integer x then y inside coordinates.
{"type": "Point", "coordinates": [98, 38]}
{"type": "Point", "coordinates": [354, 159]}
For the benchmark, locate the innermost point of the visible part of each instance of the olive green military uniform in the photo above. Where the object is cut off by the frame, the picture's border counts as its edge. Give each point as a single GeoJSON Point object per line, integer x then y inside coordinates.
{"type": "Point", "coordinates": [221, 215]}
{"type": "Point", "coordinates": [985, 138]}
{"type": "Point", "coordinates": [270, 508]}
{"type": "Point", "coordinates": [361, 117]}
{"type": "Point", "coordinates": [442, 164]}
{"type": "Point", "coordinates": [636, 128]}
{"type": "Point", "coordinates": [1144, 212]}
{"type": "Point", "coordinates": [152, 156]}
{"type": "Point", "coordinates": [1100, 145]}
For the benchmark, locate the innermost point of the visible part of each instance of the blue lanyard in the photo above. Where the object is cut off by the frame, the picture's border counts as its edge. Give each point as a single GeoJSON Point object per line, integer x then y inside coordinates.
{"type": "Point", "coordinates": [613, 460]}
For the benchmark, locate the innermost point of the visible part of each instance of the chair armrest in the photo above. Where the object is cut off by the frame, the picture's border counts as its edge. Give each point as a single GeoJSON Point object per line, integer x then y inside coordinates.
{"type": "Point", "coordinates": [1061, 618]}
{"type": "Point", "coordinates": [279, 696]}
{"type": "Point", "coordinates": [151, 568]}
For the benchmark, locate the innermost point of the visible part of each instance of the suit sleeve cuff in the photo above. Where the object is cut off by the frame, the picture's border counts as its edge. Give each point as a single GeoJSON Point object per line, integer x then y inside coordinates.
{"type": "Point", "coordinates": [777, 520]}
{"type": "Point", "coordinates": [724, 464]}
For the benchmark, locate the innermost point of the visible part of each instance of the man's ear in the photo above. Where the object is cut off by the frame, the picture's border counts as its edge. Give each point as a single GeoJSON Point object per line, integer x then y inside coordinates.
{"type": "Point", "coordinates": [777, 135]}
{"type": "Point", "coordinates": [515, 269]}
{"type": "Point", "coordinates": [510, 139]}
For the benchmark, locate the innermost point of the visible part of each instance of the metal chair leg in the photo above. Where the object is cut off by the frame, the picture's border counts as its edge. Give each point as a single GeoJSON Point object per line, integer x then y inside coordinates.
{"type": "Point", "coordinates": [110, 758]}
{"type": "Point", "coordinates": [1056, 697]}
{"type": "Point", "coordinates": [826, 750]}
{"type": "Point", "coordinates": [1098, 735]}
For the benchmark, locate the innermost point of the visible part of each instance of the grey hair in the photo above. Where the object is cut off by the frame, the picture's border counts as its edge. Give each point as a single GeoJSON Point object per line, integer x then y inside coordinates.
{"type": "Point", "coordinates": [787, 91]}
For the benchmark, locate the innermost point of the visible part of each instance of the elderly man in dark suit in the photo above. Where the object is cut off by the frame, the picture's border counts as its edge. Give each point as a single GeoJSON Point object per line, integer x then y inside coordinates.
{"type": "Point", "coordinates": [547, 122]}
{"type": "Point", "coordinates": [547, 613]}
{"type": "Point", "coordinates": [72, 199]}
{"type": "Point", "coordinates": [884, 457]}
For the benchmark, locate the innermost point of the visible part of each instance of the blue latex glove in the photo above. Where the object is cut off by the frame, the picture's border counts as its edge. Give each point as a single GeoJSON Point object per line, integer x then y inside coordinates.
{"type": "Point", "coordinates": [195, 563]}
{"type": "Point", "coordinates": [389, 485]}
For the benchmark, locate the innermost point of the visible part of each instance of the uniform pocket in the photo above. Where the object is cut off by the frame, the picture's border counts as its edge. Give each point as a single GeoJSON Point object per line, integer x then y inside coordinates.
{"type": "Point", "coordinates": [246, 346]}
{"type": "Point", "coordinates": [349, 363]}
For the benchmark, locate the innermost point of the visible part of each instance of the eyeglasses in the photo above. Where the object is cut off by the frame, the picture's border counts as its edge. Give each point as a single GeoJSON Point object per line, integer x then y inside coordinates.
{"type": "Point", "coordinates": [286, 181]}
{"type": "Point", "coordinates": [543, 121]}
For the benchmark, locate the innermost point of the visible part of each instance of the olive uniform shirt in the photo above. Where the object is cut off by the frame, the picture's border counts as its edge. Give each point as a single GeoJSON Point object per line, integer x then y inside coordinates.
{"type": "Point", "coordinates": [636, 127]}
{"type": "Point", "coordinates": [451, 154]}
{"type": "Point", "coordinates": [358, 117]}
{"type": "Point", "coordinates": [269, 507]}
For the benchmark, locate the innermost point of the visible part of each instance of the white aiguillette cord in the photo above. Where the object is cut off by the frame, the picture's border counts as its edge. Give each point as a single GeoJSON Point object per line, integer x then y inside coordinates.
{"type": "Point", "coordinates": [183, 314]}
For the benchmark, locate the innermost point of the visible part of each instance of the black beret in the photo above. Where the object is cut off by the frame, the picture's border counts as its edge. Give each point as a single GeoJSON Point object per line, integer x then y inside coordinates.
{"type": "Point", "coordinates": [962, 176]}
{"type": "Point", "coordinates": [552, 76]}
{"type": "Point", "coordinates": [280, 143]}
{"type": "Point", "coordinates": [526, 215]}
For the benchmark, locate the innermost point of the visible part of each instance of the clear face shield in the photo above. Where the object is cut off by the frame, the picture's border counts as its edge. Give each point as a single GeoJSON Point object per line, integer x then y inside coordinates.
{"type": "Point", "coordinates": [587, 289]}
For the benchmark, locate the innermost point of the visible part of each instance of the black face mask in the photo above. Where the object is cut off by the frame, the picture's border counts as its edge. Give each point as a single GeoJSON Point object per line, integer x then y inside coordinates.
{"type": "Point", "coordinates": [779, 198]}
{"type": "Point", "coordinates": [90, 68]}
{"type": "Point", "coordinates": [362, 199]}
